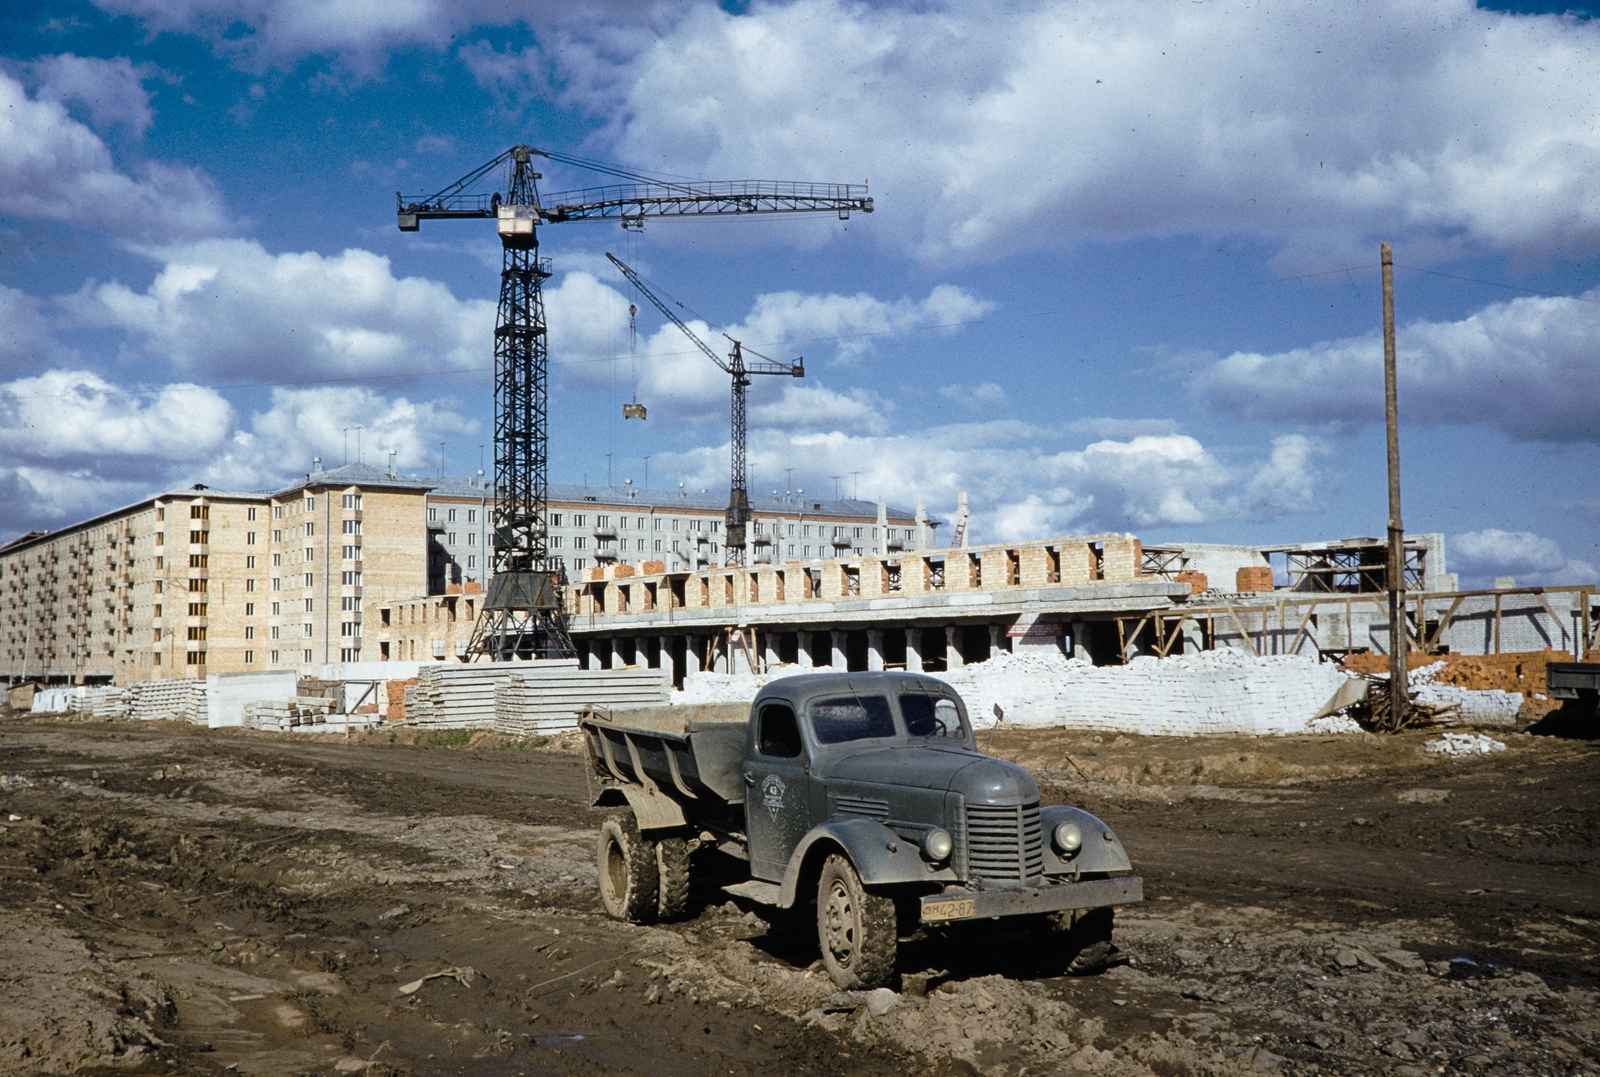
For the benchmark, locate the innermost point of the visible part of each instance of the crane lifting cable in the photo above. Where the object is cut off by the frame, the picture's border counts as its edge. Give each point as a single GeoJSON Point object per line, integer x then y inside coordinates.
{"type": "Point", "coordinates": [738, 515]}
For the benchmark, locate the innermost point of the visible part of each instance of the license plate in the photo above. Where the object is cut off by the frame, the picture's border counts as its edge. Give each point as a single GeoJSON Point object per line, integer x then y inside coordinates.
{"type": "Point", "coordinates": [949, 910]}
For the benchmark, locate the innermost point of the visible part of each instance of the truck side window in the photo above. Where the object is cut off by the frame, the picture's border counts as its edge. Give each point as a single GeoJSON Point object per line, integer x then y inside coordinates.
{"type": "Point", "coordinates": [846, 718]}
{"type": "Point", "coordinates": [778, 734]}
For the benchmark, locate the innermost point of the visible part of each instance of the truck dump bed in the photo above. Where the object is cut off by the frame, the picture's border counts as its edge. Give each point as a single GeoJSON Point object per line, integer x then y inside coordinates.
{"type": "Point", "coordinates": [681, 753]}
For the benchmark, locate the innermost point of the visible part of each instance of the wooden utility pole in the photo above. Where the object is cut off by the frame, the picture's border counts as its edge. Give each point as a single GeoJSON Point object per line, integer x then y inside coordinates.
{"type": "Point", "coordinates": [1399, 638]}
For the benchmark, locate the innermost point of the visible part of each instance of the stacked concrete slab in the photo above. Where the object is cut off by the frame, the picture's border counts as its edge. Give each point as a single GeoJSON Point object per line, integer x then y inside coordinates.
{"type": "Point", "coordinates": [547, 700]}
{"type": "Point", "coordinates": [173, 701]}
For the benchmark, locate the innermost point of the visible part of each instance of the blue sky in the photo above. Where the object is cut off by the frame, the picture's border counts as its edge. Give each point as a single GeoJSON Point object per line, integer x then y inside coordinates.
{"type": "Point", "coordinates": [1122, 274]}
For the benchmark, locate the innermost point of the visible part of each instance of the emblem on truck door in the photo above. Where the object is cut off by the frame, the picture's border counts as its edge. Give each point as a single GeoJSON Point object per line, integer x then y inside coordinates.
{"type": "Point", "coordinates": [772, 795]}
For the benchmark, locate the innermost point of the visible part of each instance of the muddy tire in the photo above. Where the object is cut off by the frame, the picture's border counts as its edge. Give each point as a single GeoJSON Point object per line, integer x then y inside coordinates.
{"type": "Point", "coordinates": [1078, 941]}
{"type": "Point", "coordinates": [856, 929]}
{"type": "Point", "coordinates": [672, 871]}
{"type": "Point", "coordinates": [629, 878]}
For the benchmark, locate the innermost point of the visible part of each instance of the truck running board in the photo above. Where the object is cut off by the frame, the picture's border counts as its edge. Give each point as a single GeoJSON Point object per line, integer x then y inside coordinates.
{"type": "Point", "coordinates": [755, 890]}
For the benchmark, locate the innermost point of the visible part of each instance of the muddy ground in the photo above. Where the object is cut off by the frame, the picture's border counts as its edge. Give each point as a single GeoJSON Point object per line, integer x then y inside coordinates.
{"type": "Point", "coordinates": [175, 900]}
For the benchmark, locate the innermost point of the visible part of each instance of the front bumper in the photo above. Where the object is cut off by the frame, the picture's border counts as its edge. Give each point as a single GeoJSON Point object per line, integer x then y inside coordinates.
{"type": "Point", "coordinates": [1049, 897]}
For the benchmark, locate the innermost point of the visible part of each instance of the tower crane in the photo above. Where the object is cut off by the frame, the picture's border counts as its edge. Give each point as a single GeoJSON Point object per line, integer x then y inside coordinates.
{"type": "Point", "coordinates": [522, 613]}
{"type": "Point", "coordinates": [738, 517]}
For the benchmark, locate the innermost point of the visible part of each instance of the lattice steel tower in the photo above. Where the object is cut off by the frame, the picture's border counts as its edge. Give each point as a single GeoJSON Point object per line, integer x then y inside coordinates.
{"type": "Point", "coordinates": [523, 613]}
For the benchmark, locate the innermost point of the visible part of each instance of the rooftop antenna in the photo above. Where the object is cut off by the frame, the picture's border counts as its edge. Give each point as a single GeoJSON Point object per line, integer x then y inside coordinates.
{"type": "Point", "coordinates": [347, 444]}
{"type": "Point", "coordinates": [392, 455]}
{"type": "Point", "coordinates": [836, 479]}
{"type": "Point", "coordinates": [360, 459]}
{"type": "Point", "coordinates": [608, 470]}
{"type": "Point", "coordinates": [441, 459]}
{"type": "Point", "coordinates": [855, 490]}
{"type": "Point", "coordinates": [681, 490]}
{"type": "Point", "coordinates": [788, 481]}
{"type": "Point", "coordinates": [647, 473]}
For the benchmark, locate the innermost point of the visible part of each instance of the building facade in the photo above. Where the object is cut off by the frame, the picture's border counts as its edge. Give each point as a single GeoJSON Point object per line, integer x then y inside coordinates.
{"type": "Point", "coordinates": [349, 564]}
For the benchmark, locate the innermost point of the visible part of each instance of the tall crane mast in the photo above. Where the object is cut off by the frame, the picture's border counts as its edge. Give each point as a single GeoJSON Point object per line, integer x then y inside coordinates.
{"type": "Point", "coordinates": [738, 516]}
{"type": "Point", "coordinates": [522, 614]}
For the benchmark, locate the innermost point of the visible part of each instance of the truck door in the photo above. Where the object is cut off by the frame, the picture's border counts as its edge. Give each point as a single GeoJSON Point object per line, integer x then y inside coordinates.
{"type": "Point", "coordinates": [777, 791]}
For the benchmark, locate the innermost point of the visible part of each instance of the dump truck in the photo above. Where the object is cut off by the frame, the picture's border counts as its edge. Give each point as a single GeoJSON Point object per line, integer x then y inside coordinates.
{"type": "Point", "coordinates": [865, 794]}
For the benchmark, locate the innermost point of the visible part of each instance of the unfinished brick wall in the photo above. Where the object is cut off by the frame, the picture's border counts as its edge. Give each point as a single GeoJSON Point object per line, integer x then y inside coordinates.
{"type": "Point", "coordinates": [1038, 566]}
{"type": "Point", "coordinates": [1121, 560]}
{"type": "Point", "coordinates": [996, 568]}
{"type": "Point", "coordinates": [1196, 580]}
{"type": "Point", "coordinates": [1077, 563]}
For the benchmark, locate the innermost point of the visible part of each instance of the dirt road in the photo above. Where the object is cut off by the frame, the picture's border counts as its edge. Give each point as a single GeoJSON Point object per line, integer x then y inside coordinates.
{"type": "Point", "coordinates": [191, 901]}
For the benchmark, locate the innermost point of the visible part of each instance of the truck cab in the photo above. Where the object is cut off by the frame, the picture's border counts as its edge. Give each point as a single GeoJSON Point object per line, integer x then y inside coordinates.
{"type": "Point", "coordinates": [868, 793]}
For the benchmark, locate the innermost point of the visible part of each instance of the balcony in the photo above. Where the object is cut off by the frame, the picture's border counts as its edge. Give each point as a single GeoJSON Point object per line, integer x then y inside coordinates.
{"type": "Point", "coordinates": [605, 532]}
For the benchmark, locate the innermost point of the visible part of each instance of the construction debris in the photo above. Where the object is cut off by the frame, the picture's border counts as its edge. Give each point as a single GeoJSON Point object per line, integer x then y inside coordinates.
{"type": "Point", "coordinates": [1464, 744]}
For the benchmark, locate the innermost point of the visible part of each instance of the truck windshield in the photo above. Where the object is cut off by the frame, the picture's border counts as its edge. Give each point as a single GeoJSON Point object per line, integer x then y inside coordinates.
{"type": "Point", "coordinates": [846, 718]}
{"type": "Point", "coordinates": [931, 716]}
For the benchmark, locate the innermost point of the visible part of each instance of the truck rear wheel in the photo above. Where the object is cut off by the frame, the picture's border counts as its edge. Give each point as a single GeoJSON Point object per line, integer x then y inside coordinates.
{"type": "Point", "coordinates": [672, 870]}
{"type": "Point", "coordinates": [629, 878]}
{"type": "Point", "coordinates": [857, 930]}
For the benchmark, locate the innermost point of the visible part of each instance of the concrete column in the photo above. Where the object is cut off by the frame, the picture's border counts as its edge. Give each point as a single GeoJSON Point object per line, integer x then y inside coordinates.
{"type": "Point", "coordinates": [804, 656]}
{"type": "Point", "coordinates": [840, 661]}
{"type": "Point", "coordinates": [997, 638]}
{"type": "Point", "coordinates": [952, 647]}
{"type": "Point", "coordinates": [770, 651]}
{"type": "Point", "coordinates": [665, 651]}
{"type": "Point", "coordinates": [874, 648]}
{"type": "Point", "coordinates": [641, 653]}
{"type": "Point", "coordinates": [914, 648]}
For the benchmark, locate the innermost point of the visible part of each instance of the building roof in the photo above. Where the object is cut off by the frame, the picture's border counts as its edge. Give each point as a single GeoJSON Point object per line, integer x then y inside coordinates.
{"type": "Point", "coordinates": [368, 476]}
{"type": "Point", "coordinates": [33, 538]}
{"type": "Point", "coordinates": [631, 497]}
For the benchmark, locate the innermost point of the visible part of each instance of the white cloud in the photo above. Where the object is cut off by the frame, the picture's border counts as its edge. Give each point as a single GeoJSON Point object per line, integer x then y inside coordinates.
{"type": "Point", "coordinates": [986, 129]}
{"type": "Point", "coordinates": [1526, 367]}
{"type": "Point", "coordinates": [306, 423]}
{"type": "Point", "coordinates": [73, 444]}
{"type": "Point", "coordinates": [229, 308]}
{"type": "Point", "coordinates": [1020, 489]}
{"type": "Point", "coordinates": [987, 394]}
{"type": "Point", "coordinates": [75, 416]}
{"type": "Point", "coordinates": [358, 32]}
{"type": "Point", "coordinates": [54, 168]}
{"type": "Point", "coordinates": [112, 91]}
{"type": "Point", "coordinates": [1529, 558]}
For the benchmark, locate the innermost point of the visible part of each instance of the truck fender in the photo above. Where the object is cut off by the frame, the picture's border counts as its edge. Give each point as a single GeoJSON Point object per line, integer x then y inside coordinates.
{"type": "Point", "coordinates": [1102, 849]}
{"type": "Point", "coordinates": [880, 856]}
{"type": "Point", "coordinates": [653, 811]}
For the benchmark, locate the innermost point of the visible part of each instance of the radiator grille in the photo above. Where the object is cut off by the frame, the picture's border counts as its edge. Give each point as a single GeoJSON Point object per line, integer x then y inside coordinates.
{"type": "Point", "coordinates": [1005, 844]}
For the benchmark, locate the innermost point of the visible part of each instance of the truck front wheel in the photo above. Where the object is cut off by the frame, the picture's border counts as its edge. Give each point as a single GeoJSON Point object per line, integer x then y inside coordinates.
{"type": "Point", "coordinates": [857, 930]}
{"type": "Point", "coordinates": [1077, 941]}
{"type": "Point", "coordinates": [629, 878]}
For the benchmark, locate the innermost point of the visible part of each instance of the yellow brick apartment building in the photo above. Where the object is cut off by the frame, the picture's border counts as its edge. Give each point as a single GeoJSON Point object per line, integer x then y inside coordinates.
{"type": "Point", "coordinates": [338, 567]}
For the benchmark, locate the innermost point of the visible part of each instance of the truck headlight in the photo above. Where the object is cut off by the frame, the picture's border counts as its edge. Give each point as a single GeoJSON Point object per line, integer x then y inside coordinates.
{"type": "Point", "coordinates": [1068, 837]}
{"type": "Point", "coordinates": [937, 844]}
